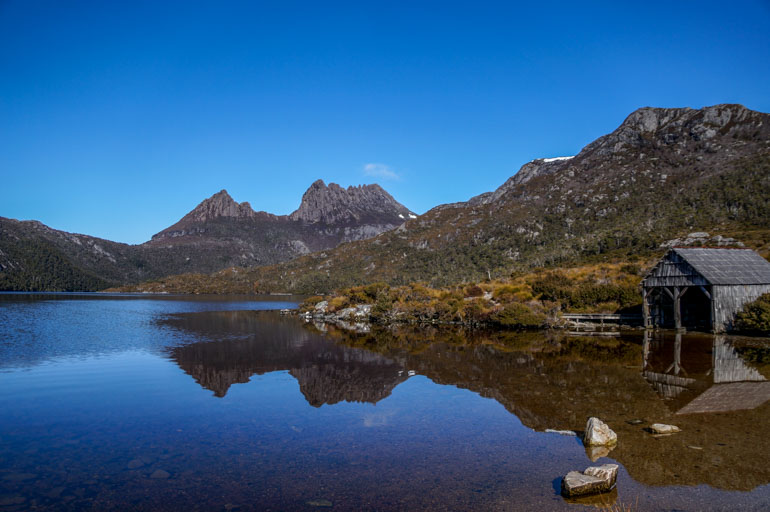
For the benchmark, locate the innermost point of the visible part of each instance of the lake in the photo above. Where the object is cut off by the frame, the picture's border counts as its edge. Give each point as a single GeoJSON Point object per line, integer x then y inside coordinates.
{"type": "Point", "coordinates": [119, 402]}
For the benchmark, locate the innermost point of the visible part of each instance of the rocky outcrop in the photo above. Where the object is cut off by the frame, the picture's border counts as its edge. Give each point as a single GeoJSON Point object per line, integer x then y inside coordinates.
{"type": "Point", "coordinates": [354, 319]}
{"type": "Point", "coordinates": [649, 127]}
{"type": "Point", "coordinates": [702, 239]}
{"type": "Point", "coordinates": [333, 204]}
{"type": "Point", "coordinates": [528, 171]}
{"type": "Point", "coordinates": [220, 205]}
{"type": "Point", "coordinates": [220, 232]}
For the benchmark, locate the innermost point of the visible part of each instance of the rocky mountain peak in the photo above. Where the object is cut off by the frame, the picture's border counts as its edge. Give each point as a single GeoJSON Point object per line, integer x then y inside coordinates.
{"type": "Point", "coordinates": [332, 204]}
{"type": "Point", "coordinates": [219, 205]}
{"type": "Point", "coordinates": [647, 134]}
{"type": "Point", "coordinates": [690, 129]}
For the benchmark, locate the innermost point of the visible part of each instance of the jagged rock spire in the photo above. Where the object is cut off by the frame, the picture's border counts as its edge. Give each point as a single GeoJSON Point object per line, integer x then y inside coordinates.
{"type": "Point", "coordinates": [331, 204]}
{"type": "Point", "coordinates": [220, 205]}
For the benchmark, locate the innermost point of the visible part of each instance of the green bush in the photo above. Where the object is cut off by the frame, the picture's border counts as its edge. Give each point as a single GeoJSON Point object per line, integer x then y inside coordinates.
{"type": "Point", "coordinates": [518, 315]}
{"type": "Point", "coordinates": [755, 317]}
{"type": "Point", "coordinates": [554, 286]}
{"type": "Point", "coordinates": [587, 295]}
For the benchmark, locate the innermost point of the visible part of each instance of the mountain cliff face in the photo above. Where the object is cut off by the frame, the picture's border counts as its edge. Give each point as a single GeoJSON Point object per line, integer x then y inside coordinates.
{"type": "Point", "coordinates": [335, 205]}
{"type": "Point", "coordinates": [234, 234]}
{"type": "Point", "coordinates": [661, 173]}
{"type": "Point", "coordinates": [219, 205]}
{"type": "Point", "coordinates": [216, 234]}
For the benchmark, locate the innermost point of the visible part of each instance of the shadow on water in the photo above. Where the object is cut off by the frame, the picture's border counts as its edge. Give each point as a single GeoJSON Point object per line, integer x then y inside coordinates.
{"type": "Point", "coordinates": [701, 383]}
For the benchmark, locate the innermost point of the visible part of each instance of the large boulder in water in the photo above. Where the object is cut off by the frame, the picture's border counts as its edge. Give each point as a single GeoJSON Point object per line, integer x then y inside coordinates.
{"type": "Point", "coordinates": [599, 434]}
{"type": "Point", "coordinates": [593, 480]}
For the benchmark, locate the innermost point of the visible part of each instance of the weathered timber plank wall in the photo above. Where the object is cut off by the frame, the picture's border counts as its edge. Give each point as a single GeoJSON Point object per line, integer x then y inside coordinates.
{"type": "Point", "coordinates": [729, 300]}
{"type": "Point", "coordinates": [674, 271]}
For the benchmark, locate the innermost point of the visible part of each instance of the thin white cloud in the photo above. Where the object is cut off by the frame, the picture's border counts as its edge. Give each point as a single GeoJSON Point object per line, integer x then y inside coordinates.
{"type": "Point", "coordinates": [380, 171]}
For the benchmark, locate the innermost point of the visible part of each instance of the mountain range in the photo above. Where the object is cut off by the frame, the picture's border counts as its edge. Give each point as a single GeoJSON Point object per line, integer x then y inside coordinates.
{"type": "Point", "coordinates": [217, 234]}
{"type": "Point", "coordinates": [662, 173]}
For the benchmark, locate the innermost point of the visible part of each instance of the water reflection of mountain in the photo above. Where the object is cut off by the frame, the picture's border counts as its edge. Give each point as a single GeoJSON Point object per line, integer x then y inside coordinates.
{"type": "Point", "coordinates": [714, 390]}
{"type": "Point", "coordinates": [559, 383]}
{"type": "Point", "coordinates": [244, 343]}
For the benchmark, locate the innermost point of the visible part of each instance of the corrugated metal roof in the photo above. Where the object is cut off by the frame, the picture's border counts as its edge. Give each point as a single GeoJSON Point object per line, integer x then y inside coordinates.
{"type": "Point", "coordinates": [728, 266]}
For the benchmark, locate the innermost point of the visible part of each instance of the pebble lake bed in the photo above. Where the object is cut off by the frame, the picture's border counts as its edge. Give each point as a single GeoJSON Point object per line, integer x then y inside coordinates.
{"type": "Point", "coordinates": [126, 402]}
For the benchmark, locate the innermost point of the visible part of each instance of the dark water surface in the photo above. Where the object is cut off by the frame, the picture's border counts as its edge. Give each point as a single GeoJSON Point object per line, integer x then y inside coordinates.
{"type": "Point", "coordinates": [176, 403]}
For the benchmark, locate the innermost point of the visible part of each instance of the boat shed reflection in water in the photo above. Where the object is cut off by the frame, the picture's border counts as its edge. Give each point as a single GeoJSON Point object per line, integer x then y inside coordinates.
{"type": "Point", "coordinates": [702, 383]}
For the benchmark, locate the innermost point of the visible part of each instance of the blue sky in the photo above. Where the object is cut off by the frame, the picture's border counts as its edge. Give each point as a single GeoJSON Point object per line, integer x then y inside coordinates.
{"type": "Point", "coordinates": [116, 118]}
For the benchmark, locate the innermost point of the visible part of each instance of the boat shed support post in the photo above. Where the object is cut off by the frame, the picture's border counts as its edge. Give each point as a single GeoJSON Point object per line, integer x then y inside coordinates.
{"type": "Point", "coordinates": [646, 307]}
{"type": "Point", "coordinates": [677, 308]}
{"type": "Point", "coordinates": [710, 296]}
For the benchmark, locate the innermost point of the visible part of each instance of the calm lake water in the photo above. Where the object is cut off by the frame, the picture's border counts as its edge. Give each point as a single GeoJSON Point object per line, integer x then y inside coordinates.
{"type": "Point", "coordinates": [177, 403]}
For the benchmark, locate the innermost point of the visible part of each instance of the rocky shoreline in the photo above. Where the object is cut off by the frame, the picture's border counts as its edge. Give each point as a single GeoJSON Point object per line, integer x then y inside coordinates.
{"type": "Point", "coordinates": [360, 318]}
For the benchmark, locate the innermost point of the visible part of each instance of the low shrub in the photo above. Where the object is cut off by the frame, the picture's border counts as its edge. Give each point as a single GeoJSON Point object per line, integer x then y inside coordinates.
{"type": "Point", "coordinates": [474, 291]}
{"type": "Point", "coordinates": [755, 317]}
{"type": "Point", "coordinates": [339, 302]}
{"type": "Point", "coordinates": [518, 315]}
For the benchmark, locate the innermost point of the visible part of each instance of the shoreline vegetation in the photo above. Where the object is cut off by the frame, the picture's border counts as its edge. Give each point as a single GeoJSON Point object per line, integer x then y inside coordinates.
{"type": "Point", "coordinates": [532, 300]}
{"type": "Point", "coordinates": [526, 300]}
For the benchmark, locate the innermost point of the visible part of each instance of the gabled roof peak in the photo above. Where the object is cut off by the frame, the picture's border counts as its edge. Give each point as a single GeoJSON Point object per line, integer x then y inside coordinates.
{"type": "Point", "coordinates": [727, 266]}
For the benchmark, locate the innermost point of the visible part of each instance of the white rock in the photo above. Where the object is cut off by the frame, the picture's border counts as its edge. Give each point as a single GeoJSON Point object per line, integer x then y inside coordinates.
{"type": "Point", "coordinates": [345, 313]}
{"type": "Point", "coordinates": [607, 472]}
{"type": "Point", "coordinates": [599, 434]}
{"type": "Point", "coordinates": [363, 310]}
{"type": "Point", "coordinates": [593, 480]}
{"type": "Point", "coordinates": [662, 428]}
{"type": "Point", "coordinates": [561, 432]}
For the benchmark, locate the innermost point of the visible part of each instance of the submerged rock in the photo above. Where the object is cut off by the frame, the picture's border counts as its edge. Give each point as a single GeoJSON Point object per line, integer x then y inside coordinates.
{"type": "Point", "coordinates": [662, 428]}
{"type": "Point", "coordinates": [55, 492]}
{"type": "Point", "coordinates": [136, 463]}
{"type": "Point", "coordinates": [599, 434]}
{"type": "Point", "coordinates": [160, 474]}
{"type": "Point", "coordinates": [319, 503]}
{"type": "Point", "coordinates": [15, 499]}
{"type": "Point", "coordinates": [593, 480]}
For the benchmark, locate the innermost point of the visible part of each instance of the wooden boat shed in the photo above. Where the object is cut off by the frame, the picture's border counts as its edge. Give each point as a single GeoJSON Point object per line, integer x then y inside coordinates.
{"type": "Point", "coordinates": [703, 288]}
